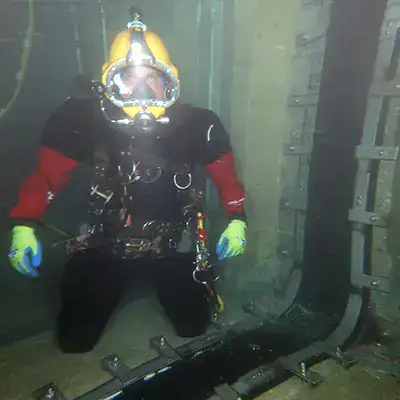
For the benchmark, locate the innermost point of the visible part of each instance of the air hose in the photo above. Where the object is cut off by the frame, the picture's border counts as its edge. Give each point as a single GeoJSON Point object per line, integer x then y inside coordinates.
{"type": "Point", "coordinates": [27, 46]}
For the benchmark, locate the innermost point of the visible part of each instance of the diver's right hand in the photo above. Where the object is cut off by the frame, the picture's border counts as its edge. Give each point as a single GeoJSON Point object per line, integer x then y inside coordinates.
{"type": "Point", "coordinates": [26, 252]}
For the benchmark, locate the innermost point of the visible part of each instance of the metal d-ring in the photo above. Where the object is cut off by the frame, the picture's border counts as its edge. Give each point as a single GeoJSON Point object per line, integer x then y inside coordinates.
{"type": "Point", "coordinates": [195, 278]}
{"type": "Point", "coordinates": [183, 187]}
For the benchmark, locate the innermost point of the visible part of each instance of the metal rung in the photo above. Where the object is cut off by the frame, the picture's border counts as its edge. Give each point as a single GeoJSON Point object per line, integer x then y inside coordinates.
{"type": "Point", "coordinates": [371, 282]}
{"type": "Point", "coordinates": [49, 391]}
{"type": "Point", "coordinates": [300, 369]}
{"type": "Point", "coordinates": [377, 153]}
{"type": "Point", "coordinates": [303, 100]}
{"type": "Point", "coordinates": [368, 218]}
{"type": "Point", "coordinates": [295, 150]}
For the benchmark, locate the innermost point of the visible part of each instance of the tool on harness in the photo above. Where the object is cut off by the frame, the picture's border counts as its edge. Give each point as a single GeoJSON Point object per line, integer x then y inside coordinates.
{"type": "Point", "coordinates": [203, 268]}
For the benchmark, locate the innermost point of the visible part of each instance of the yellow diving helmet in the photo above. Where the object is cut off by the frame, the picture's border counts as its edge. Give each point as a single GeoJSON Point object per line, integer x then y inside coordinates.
{"type": "Point", "coordinates": [139, 76]}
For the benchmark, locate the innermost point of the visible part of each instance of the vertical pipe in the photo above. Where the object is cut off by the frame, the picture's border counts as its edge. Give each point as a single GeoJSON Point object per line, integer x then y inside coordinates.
{"type": "Point", "coordinates": [74, 18]}
{"type": "Point", "coordinates": [103, 30]}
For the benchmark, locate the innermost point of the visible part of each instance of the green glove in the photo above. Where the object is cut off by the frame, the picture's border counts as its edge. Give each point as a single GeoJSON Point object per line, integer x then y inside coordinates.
{"type": "Point", "coordinates": [233, 241]}
{"type": "Point", "coordinates": [26, 253]}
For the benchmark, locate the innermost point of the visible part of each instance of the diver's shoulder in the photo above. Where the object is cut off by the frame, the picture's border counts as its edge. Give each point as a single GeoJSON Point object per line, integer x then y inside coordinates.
{"type": "Point", "coordinates": [204, 115]}
{"type": "Point", "coordinates": [73, 106]}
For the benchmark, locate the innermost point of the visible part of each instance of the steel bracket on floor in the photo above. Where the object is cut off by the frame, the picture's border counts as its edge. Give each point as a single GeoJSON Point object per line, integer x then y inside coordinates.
{"type": "Point", "coordinates": [48, 392]}
{"type": "Point", "coordinates": [381, 153]}
{"type": "Point", "coordinates": [116, 368]}
{"type": "Point", "coordinates": [301, 370]}
{"type": "Point", "coordinates": [336, 354]}
{"type": "Point", "coordinates": [164, 349]}
{"type": "Point", "coordinates": [368, 218]}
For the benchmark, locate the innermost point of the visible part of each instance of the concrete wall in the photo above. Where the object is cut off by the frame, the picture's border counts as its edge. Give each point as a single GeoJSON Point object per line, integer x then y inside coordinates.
{"type": "Point", "coordinates": [264, 45]}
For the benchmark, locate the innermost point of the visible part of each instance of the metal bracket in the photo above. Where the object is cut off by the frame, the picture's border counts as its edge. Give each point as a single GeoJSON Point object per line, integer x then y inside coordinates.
{"type": "Point", "coordinates": [308, 376]}
{"type": "Point", "coordinates": [295, 149]}
{"type": "Point", "coordinates": [164, 349]}
{"type": "Point", "coordinates": [49, 391]}
{"type": "Point", "coordinates": [368, 218]}
{"type": "Point", "coordinates": [303, 100]}
{"type": "Point", "coordinates": [117, 369]}
{"type": "Point", "coordinates": [225, 392]}
{"type": "Point", "coordinates": [371, 282]}
{"type": "Point", "coordinates": [296, 204]}
{"type": "Point", "coordinates": [377, 153]}
{"type": "Point", "coordinates": [336, 354]}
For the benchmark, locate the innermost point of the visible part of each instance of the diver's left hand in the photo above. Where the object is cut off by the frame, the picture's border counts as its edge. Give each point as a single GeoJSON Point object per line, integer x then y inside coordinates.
{"type": "Point", "coordinates": [233, 240]}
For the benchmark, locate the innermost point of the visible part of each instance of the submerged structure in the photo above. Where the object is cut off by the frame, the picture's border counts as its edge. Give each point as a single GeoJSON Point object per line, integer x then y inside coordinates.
{"type": "Point", "coordinates": [308, 92]}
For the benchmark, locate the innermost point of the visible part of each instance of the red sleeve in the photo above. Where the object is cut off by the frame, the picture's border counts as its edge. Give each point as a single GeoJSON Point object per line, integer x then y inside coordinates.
{"type": "Point", "coordinates": [52, 173]}
{"type": "Point", "coordinates": [231, 192]}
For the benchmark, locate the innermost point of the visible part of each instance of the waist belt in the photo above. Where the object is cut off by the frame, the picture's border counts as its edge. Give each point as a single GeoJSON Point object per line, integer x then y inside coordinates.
{"type": "Point", "coordinates": [159, 244]}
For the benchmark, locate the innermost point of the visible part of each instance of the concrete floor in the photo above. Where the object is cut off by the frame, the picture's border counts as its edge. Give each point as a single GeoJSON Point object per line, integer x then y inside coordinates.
{"type": "Point", "coordinates": [31, 363]}
{"type": "Point", "coordinates": [28, 364]}
{"type": "Point", "coordinates": [358, 383]}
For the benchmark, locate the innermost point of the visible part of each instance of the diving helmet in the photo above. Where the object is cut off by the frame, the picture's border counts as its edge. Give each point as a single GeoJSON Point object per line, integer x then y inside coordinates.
{"type": "Point", "coordinates": [139, 77]}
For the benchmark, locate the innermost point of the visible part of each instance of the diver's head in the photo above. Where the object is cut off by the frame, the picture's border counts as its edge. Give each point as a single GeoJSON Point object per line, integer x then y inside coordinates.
{"type": "Point", "coordinates": [139, 77]}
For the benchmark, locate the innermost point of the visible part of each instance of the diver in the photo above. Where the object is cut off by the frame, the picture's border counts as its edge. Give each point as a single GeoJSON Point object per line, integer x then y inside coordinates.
{"type": "Point", "coordinates": [144, 145]}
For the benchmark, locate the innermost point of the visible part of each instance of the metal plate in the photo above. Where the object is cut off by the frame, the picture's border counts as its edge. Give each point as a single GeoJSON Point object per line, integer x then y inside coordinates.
{"type": "Point", "coordinates": [295, 150]}
{"type": "Point", "coordinates": [303, 100]}
{"type": "Point", "coordinates": [294, 204]}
